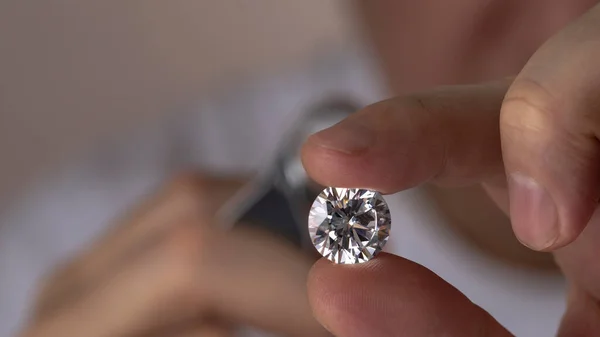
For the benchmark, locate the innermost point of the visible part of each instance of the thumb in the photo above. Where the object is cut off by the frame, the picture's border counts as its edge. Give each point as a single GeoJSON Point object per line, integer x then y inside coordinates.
{"type": "Point", "coordinates": [391, 296]}
{"type": "Point", "coordinates": [549, 125]}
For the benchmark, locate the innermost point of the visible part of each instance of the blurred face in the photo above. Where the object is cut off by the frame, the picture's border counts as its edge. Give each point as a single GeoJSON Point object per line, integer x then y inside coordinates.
{"type": "Point", "coordinates": [435, 42]}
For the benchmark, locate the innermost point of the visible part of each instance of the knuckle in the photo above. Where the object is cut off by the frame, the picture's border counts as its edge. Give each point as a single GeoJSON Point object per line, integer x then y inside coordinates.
{"type": "Point", "coordinates": [528, 108]}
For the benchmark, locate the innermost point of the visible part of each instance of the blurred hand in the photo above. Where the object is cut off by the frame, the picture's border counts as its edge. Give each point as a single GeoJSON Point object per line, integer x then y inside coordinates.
{"type": "Point", "coordinates": [165, 271]}
{"type": "Point", "coordinates": [534, 145]}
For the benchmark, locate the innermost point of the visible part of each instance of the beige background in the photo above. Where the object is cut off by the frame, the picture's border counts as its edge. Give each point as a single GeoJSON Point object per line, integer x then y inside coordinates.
{"type": "Point", "coordinates": [75, 70]}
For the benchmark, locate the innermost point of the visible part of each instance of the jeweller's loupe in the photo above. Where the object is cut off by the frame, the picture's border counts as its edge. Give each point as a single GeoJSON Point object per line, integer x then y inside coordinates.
{"type": "Point", "coordinates": [279, 199]}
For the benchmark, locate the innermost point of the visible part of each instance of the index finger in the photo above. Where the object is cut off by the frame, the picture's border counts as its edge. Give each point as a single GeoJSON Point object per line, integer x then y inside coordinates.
{"type": "Point", "coordinates": [449, 136]}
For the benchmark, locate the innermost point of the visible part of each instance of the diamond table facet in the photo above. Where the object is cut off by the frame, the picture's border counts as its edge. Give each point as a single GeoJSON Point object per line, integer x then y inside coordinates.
{"type": "Point", "coordinates": [349, 225]}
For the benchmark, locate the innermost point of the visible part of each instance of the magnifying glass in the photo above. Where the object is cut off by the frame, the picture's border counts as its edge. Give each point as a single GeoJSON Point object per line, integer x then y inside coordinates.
{"type": "Point", "coordinates": [278, 200]}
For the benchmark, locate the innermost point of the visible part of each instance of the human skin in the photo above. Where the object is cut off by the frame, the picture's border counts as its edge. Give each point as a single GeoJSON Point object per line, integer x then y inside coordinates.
{"type": "Point", "coordinates": [428, 43]}
{"type": "Point", "coordinates": [157, 273]}
{"type": "Point", "coordinates": [423, 44]}
{"type": "Point", "coordinates": [531, 142]}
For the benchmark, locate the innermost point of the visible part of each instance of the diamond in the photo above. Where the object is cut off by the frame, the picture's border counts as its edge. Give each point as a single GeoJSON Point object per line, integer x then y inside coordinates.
{"type": "Point", "coordinates": [349, 225]}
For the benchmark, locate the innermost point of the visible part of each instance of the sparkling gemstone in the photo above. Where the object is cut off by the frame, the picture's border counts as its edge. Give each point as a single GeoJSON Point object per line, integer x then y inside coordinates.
{"type": "Point", "coordinates": [349, 225]}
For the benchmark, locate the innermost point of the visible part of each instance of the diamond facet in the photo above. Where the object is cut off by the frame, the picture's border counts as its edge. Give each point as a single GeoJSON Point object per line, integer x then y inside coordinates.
{"type": "Point", "coordinates": [349, 225]}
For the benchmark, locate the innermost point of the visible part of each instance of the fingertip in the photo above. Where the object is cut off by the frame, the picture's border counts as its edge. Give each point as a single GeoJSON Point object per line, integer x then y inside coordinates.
{"type": "Point", "coordinates": [354, 152]}
{"type": "Point", "coordinates": [533, 213]}
{"type": "Point", "coordinates": [376, 298]}
{"type": "Point", "coordinates": [330, 167]}
{"type": "Point", "coordinates": [343, 305]}
{"type": "Point", "coordinates": [389, 295]}
{"type": "Point", "coordinates": [315, 158]}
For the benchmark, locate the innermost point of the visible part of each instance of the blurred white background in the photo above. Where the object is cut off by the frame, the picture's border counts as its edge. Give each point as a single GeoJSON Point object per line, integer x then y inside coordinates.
{"type": "Point", "coordinates": [72, 71]}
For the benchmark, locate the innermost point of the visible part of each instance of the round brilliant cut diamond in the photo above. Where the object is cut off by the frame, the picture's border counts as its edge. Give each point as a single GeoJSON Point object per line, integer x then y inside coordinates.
{"type": "Point", "coordinates": [349, 225]}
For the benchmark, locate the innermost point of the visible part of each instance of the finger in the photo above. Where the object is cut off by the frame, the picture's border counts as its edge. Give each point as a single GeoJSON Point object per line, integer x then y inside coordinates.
{"type": "Point", "coordinates": [186, 198]}
{"type": "Point", "coordinates": [391, 296]}
{"type": "Point", "coordinates": [550, 124]}
{"type": "Point", "coordinates": [242, 277]}
{"type": "Point", "coordinates": [449, 136]}
{"type": "Point", "coordinates": [259, 280]}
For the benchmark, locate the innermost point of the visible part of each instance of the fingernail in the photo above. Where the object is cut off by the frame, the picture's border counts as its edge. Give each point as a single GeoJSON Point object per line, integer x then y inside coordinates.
{"type": "Point", "coordinates": [347, 136]}
{"type": "Point", "coordinates": [533, 212]}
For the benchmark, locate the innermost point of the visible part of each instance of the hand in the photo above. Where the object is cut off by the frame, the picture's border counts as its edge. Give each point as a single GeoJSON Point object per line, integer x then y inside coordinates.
{"type": "Point", "coordinates": [164, 271]}
{"type": "Point", "coordinates": [533, 143]}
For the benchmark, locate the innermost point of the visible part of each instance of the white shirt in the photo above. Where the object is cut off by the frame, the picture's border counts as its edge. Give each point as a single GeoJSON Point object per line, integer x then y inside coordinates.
{"type": "Point", "coordinates": [66, 209]}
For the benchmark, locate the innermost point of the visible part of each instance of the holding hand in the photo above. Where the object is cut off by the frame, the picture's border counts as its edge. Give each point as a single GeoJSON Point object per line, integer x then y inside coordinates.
{"type": "Point", "coordinates": [539, 132]}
